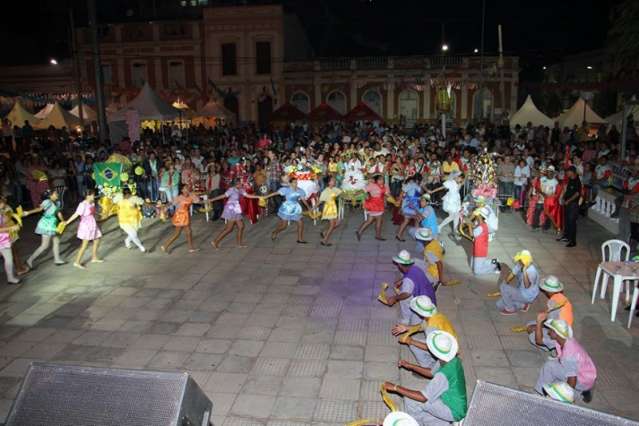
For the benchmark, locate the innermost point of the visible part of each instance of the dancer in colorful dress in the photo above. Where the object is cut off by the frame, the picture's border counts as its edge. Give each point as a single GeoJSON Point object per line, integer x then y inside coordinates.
{"type": "Point", "coordinates": [129, 217]}
{"type": "Point", "coordinates": [410, 206]}
{"type": "Point", "coordinates": [182, 219]}
{"type": "Point", "coordinates": [47, 227]}
{"type": "Point", "coordinates": [374, 206]}
{"type": "Point", "coordinates": [6, 229]}
{"type": "Point", "coordinates": [290, 210]}
{"type": "Point", "coordinates": [329, 211]}
{"type": "Point", "coordinates": [88, 229]}
{"type": "Point", "coordinates": [9, 221]}
{"type": "Point", "coordinates": [232, 213]}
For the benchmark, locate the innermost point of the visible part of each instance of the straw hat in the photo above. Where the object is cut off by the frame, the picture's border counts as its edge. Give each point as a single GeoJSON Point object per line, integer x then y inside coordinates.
{"type": "Point", "coordinates": [560, 391]}
{"type": "Point", "coordinates": [403, 258]}
{"type": "Point", "coordinates": [524, 256]}
{"type": "Point", "coordinates": [552, 284]}
{"type": "Point", "coordinates": [482, 211]}
{"type": "Point", "coordinates": [399, 418]}
{"type": "Point", "coordinates": [423, 306]}
{"type": "Point", "coordinates": [560, 327]}
{"type": "Point", "coordinates": [442, 345]}
{"type": "Point", "coordinates": [426, 197]}
{"type": "Point", "coordinates": [423, 234]}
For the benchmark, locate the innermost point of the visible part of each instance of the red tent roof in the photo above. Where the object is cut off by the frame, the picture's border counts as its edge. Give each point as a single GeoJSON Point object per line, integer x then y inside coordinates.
{"type": "Point", "coordinates": [287, 112]}
{"type": "Point", "coordinates": [324, 112]}
{"type": "Point", "coordinates": [362, 112]}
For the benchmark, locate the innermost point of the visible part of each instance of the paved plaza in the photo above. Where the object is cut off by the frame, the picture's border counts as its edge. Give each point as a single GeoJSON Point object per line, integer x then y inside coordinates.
{"type": "Point", "coordinates": [287, 334]}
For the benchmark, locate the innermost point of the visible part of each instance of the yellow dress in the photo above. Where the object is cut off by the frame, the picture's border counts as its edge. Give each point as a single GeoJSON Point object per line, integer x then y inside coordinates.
{"type": "Point", "coordinates": [433, 253]}
{"type": "Point", "coordinates": [129, 213]}
{"type": "Point", "coordinates": [328, 196]}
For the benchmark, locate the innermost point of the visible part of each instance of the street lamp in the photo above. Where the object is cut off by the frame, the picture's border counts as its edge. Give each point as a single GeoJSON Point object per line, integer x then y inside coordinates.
{"type": "Point", "coordinates": [53, 61]}
{"type": "Point", "coordinates": [444, 47]}
{"type": "Point", "coordinates": [544, 68]}
{"type": "Point", "coordinates": [476, 50]}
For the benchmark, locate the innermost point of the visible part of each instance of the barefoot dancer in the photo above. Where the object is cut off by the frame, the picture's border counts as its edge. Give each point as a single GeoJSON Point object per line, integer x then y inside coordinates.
{"type": "Point", "coordinates": [290, 210]}
{"type": "Point", "coordinates": [47, 226]}
{"type": "Point", "coordinates": [232, 213]}
{"type": "Point", "coordinates": [182, 219]}
{"type": "Point", "coordinates": [374, 206]}
{"type": "Point", "coordinates": [88, 229]}
{"type": "Point", "coordinates": [329, 212]}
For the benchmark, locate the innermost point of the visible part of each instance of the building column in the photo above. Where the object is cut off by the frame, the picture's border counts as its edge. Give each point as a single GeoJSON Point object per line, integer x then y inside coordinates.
{"type": "Point", "coordinates": [390, 100]}
{"type": "Point", "coordinates": [464, 102]}
{"type": "Point", "coordinates": [513, 97]}
{"type": "Point", "coordinates": [157, 68]}
{"type": "Point", "coordinates": [317, 86]}
{"type": "Point", "coordinates": [426, 109]}
{"type": "Point", "coordinates": [120, 65]}
{"type": "Point", "coordinates": [353, 95]}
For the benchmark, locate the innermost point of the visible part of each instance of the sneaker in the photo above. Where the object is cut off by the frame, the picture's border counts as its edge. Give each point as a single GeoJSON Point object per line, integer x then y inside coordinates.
{"type": "Point", "coordinates": [587, 396]}
{"type": "Point", "coordinates": [143, 250]}
{"type": "Point", "coordinates": [507, 312]}
{"type": "Point", "coordinates": [127, 244]}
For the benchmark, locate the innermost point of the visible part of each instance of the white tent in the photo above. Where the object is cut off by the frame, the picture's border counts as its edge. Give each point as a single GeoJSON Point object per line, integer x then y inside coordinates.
{"type": "Point", "coordinates": [58, 117]}
{"type": "Point", "coordinates": [148, 105]}
{"type": "Point", "coordinates": [18, 115]}
{"type": "Point", "coordinates": [616, 119]}
{"type": "Point", "coordinates": [88, 113]}
{"type": "Point", "coordinates": [577, 114]}
{"type": "Point", "coordinates": [44, 111]}
{"type": "Point", "coordinates": [528, 113]}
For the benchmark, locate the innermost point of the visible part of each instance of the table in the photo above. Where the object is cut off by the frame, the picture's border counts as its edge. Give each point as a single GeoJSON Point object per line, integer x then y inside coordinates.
{"type": "Point", "coordinates": [620, 272]}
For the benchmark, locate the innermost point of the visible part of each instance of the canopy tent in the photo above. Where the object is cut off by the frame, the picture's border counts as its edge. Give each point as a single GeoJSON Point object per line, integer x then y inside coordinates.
{"type": "Point", "coordinates": [577, 114]}
{"type": "Point", "coordinates": [211, 113]}
{"type": "Point", "coordinates": [18, 115]}
{"type": "Point", "coordinates": [58, 117]}
{"type": "Point", "coordinates": [528, 113]}
{"type": "Point", "coordinates": [324, 112]}
{"type": "Point", "coordinates": [44, 111]}
{"type": "Point", "coordinates": [88, 113]}
{"type": "Point", "coordinates": [149, 107]}
{"type": "Point", "coordinates": [362, 112]}
{"type": "Point", "coordinates": [616, 119]}
{"type": "Point", "coordinates": [287, 113]}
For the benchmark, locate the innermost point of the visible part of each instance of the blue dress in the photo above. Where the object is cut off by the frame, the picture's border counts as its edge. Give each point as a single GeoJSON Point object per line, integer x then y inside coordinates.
{"type": "Point", "coordinates": [290, 208]}
{"type": "Point", "coordinates": [410, 203]}
{"type": "Point", "coordinates": [49, 220]}
{"type": "Point", "coordinates": [430, 220]}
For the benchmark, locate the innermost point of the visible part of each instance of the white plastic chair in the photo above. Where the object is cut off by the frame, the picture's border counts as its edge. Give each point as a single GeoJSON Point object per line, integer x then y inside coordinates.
{"type": "Point", "coordinates": [633, 305]}
{"type": "Point", "coordinates": [611, 251]}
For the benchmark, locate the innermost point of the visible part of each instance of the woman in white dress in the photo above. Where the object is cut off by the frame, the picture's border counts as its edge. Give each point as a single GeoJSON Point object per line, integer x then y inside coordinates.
{"type": "Point", "coordinates": [451, 201]}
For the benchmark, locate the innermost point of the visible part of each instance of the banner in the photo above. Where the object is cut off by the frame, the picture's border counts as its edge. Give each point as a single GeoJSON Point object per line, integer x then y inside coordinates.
{"type": "Point", "coordinates": [107, 174]}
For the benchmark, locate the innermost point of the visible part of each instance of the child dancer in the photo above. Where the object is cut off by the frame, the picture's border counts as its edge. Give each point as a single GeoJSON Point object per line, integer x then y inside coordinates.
{"type": "Point", "coordinates": [410, 205]}
{"type": "Point", "coordinates": [329, 211]}
{"type": "Point", "coordinates": [88, 229]}
{"type": "Point", "coordinates": [47, 227]}
{"type": "Point", "coordinates": [374, 206]}
{"type": "Point", "coordinates": [290, 210]}
{"type": "Point", "coordinates": [129, 217]}
{"type": "Point", "coordinates": [6, 229]}
{"type": "Point", "coordinates": [182, 219]}
{"type": "Point", "coordinates": [232, 213]}
{"type": "Point", "coordinates": [9, 214]}
{"type": "Point", "coordinates": [452, 201]}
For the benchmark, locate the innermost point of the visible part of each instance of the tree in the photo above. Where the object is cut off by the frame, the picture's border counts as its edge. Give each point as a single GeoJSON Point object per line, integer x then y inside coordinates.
{"type": "Point", "coordinates": [624, 35]}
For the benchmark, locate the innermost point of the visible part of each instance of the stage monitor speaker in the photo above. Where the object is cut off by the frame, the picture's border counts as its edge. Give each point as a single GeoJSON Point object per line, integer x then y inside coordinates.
{"type": "Point", "coordinates": [498, 405]}
{"type": "Point", "coordinates": [64, 395]}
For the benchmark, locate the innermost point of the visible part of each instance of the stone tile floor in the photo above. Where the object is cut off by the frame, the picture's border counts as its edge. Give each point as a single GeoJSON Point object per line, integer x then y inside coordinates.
{"type": "Point", "coordinates": [284, 334]}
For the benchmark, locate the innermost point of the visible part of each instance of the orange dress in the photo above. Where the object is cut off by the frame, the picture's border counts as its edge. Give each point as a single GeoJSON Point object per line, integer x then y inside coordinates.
{"type": "Point", "coordinates": [182, 215]}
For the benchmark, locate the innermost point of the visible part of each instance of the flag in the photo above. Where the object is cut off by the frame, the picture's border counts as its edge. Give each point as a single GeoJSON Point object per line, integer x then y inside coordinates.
{"type": "Point", "coordinates": [107, 174]}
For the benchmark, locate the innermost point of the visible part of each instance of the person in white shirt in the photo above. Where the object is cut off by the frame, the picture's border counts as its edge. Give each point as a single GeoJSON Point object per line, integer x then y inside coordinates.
{"type": "Point", "coordinates": [522, 174]}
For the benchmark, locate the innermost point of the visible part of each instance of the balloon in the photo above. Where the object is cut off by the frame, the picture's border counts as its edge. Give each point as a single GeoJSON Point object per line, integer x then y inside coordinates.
{"type": "Point", "coordinates": [139, 171]}
{"type": "Point", "coordinates": [124, 177]}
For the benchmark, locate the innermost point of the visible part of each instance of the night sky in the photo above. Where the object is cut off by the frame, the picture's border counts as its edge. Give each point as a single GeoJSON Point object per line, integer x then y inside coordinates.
{"type": "Point", "coordinates": [539, 31]}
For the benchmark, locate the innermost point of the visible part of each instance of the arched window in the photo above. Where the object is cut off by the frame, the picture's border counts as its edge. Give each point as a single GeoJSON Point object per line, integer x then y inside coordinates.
{"type": "Point", "coordinates": [337, 100]}
{"type": "Point", "coordinates": [301, 101]}
{"type": "Point", "coordinates": [373, 99]}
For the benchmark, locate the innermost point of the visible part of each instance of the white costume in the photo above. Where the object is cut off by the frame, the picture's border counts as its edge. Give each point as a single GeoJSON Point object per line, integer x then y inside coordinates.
{"type": "Point", "coordinates": [353, 177]}
{"type": "Point", "coordinates": [451, 205]}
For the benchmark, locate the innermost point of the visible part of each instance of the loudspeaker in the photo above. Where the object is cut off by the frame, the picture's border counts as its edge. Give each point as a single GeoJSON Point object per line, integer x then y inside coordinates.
{"type": "Point", "coordinates": [64, 395]}
{"type": "Point", "coordinates": [498, 405]}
